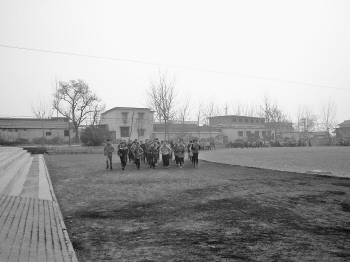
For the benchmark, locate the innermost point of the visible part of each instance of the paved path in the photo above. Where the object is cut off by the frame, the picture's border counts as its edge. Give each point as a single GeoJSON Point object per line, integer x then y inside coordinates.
{"type": "Point", "coordinates": [31, 224]}
{"type": "Point", "coordinates": [332, 161]}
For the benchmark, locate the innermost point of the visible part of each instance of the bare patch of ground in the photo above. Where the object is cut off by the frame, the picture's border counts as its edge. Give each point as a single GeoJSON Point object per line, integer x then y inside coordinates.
{"type": "Point", "coordinates": [216, 212]}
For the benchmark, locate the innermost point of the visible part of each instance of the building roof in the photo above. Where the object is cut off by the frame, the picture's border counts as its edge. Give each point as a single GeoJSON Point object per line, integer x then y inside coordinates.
{"type": "Point", "coordinates": [346, 123]}
{"type": "Point", "coordinates": [127, 108]}
{"type": "Point", "coordinates": [31, 123]}
{"type": "Point", "coordinates": [230, 116]}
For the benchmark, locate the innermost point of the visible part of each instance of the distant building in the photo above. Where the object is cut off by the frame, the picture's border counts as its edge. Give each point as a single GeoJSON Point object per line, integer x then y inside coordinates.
{"type": "Point", "coordinates": [129, 122]}
{"type": "Point", "coordinates": [188, 130]}
{"type": "Point", "coordinates": [27, 130]}
{"type": "Point", "coordinates": [242, 128]}
{"type": "Point", "coordinates": [343, 130]}
{"type": "Point", "coordinates": [282, 129]}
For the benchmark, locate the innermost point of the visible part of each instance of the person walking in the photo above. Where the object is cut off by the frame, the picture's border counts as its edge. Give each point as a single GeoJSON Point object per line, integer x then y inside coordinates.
{"type": "Point", "coordinates": [195, 151]}
{"type": "Point", "coordinates": [123, 153]}
{"type": "Point", "coordinates": [165, 150]}
{"type": "Point", "coordinates": [180, 152]}
{"type": "Point", "coordinates": [108, 152]}
{"type": "Point", "coordinates": [153, 155]}
{"type": "Point", "coordinates": [143, 146]}
{"type": "Point", "coordinates": [138, 152]}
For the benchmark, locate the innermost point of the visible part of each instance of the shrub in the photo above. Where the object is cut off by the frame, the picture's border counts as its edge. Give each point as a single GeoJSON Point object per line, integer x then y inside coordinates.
{"type": "Point", "coordinates": [93, 136]}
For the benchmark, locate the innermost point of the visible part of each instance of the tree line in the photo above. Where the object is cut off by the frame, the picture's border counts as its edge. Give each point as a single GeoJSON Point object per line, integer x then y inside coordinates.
{"type": "Point", "coordinates": [77, 102]}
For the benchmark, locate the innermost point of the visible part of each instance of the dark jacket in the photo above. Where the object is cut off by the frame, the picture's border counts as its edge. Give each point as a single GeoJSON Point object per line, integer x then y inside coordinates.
{"type": "Point", "coordinates": [123, 152]}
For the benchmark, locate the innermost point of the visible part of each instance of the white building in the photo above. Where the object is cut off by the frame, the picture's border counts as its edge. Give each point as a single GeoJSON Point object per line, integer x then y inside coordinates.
{"type": "Point", "coordinates": [129, 122]}
{"type": "Point", "coordinates": [242, 127]}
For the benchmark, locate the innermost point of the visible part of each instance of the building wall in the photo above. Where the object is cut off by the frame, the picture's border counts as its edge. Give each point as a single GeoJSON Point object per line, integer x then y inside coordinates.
{"type": "Point", "coordinates": [124, 121]}
{"type": "Point", "coordinates": [189, 135]}
{"type": "Point", "coordinates": [343, 132]}
{"type": "Point", "coordinates": [234, 133]}
{"type": "Point", "coordinates": [236, 121]}
{"type": "Point", "coordinates": [33, 133]}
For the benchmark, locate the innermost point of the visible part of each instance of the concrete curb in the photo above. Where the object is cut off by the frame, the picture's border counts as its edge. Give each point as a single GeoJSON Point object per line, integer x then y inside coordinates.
{"type": "Point", "coordinates": [59, 215]}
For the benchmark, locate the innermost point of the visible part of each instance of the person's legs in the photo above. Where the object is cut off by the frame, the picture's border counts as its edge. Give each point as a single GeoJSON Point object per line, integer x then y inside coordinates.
{"type": "Point", "coordinates": [195, 159]}
{"type": "Point", "coordinates": [164, 160]}
{"type": "Point", "coordinates": [110, 162]}
{"type": "Point", "coordinates": [137, 162]}
{"type": "Point", "coordinates": [107, 162]}
{"type": "Point", "coordinates": [167, 160]}
{"type": "Point", "coordinates": [181, 160]}
{"type": "Point", "coordinates": [123, 161]}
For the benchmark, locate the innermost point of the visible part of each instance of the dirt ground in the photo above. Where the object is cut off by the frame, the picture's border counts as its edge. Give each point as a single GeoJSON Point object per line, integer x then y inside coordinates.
{"type": "Point", "coordinates": [216, 212]}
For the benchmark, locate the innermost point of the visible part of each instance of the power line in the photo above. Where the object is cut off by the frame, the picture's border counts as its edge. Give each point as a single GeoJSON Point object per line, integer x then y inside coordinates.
{"type": "Point", "coordinates": [170, 65]}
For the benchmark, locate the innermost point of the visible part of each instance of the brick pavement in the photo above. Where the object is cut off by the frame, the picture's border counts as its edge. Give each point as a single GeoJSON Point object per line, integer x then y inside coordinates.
{"type": "Point", "coordinates": [31, 224]}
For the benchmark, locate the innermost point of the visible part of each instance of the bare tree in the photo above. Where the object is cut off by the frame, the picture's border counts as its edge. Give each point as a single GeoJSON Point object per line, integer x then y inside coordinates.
{"type": "Point", "coordinates": [272, 113]}
{"type": "Point", "coordinates": [199, 119]}
{"type": "Point", "coordinates": [42, 111]}
{"type": "Point", "coordinates": [183, 112]}
{"type": "Point", "coordinates": [211, 110]}
{"type": "Point", "coordinates": [95, 113]}
{"type": "Point", "coordinates": [308, 120]}
{"type": "Point", "coordinates": [299, 116]}
{"type": "Point", "coordinates": [244, 110]}
{"type": "Point", "coordinates": [76, 101]}
{"type": "Point", "coordinates": [328, 115]}
{"type": "Point", "coordinates": [161, 99]}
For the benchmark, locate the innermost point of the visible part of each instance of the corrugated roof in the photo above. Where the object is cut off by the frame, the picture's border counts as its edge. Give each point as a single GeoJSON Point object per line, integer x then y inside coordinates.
{"type": "Point", "coordinates": [31, 123]}
{"type": "Point", "coordinates": [127, 108]}
{"type": "Point", "coordinates": [346, 123]}
{"type": "Point", "coordinates": [229, 116]}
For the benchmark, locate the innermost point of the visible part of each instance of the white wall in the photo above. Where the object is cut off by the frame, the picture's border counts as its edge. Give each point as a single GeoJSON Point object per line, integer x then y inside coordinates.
{"type": "Point", "coordinates": [114, 120]}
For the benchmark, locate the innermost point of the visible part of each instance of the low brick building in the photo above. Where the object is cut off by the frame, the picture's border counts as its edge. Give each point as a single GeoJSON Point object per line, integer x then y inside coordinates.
{"type": "Point", "coordinates": [241, 128]}
{"type": "Point", "coordinates": [186, 131]}
{"type": "Point", "coordinates": [28, 130]}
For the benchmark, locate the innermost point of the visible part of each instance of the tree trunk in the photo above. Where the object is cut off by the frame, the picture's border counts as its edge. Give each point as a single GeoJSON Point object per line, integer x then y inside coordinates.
{"type": "Point", "coordinates": [76, 128]}
{"type": "Point", "coordinates": [43, 138]}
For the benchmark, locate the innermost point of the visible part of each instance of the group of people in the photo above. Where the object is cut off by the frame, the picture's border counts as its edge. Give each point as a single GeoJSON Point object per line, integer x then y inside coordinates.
{"type": "Point", "coordinates": [261, 143]}
{"type": "Point", "coordinates": [150, 151]}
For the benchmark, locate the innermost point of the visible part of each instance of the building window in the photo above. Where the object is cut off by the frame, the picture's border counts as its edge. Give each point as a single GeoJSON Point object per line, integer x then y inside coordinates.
{"type": "Point", "coordinates": [125, 117]}
{"type": "Point", "coordinates": [234, 120]}
{"type": "Point", "coordinates": [263, 133]}
{"type": "Point", "coordinates": [66, 132]}
{"type": "Point", "coordinates": [141, 131]}
{"type": "Point", "coordinates": [257, 133]}
{"type": "Point", "coordinates": [249, 133]}
{"type": "Point", "coordinates": [48, 133]}
{"type": "Point", "coordinates": [269, 133]}
{"type": "Point", "coordinates": [240, 133]}
{"type": "Point", "coordinates": [246, 120]}
{"type": "Point", "coordinates": [251, 120]}
{"type": "Point", "coordinates": [124, 131]}
{"type": "Point", "coordinates": [262, 121]}
{"type": "Point", "coordinates": [257, 121]}
{"type": "Point", "coordinates": [140, 115]}
{"type": "Point", "coordinates": [240, 120]}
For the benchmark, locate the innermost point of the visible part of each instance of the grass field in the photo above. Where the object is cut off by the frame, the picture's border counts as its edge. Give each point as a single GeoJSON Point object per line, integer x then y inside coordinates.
{"type": "Point", "coordinates": [216, 212]}
{"type": "Point", "coordinates": [329, 160]}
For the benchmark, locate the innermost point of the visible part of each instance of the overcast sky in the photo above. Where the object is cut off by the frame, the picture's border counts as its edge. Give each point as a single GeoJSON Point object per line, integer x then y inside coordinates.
{"type": "Point", "coordinates": [226, 51]}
